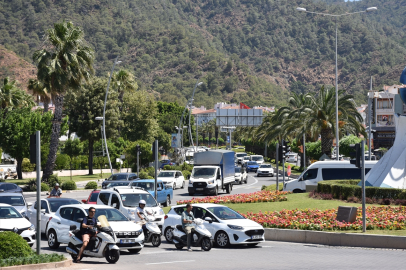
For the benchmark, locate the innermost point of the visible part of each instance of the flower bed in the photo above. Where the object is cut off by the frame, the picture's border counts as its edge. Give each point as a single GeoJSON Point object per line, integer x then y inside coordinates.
{"type": "Point", "coordinates": [259, 196]}
{"type": "Point", "coordinates": [383, 217]}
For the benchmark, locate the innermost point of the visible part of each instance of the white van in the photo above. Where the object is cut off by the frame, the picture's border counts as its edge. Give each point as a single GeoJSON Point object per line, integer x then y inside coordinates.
{"type": "Point", "coordinates": [326, 170]}
{"type": "Point", "coordinates": [258, 158]}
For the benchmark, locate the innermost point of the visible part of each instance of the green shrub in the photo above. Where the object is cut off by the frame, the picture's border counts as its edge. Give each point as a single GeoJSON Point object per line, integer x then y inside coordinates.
{"type": "Point", "coordinates": [186, 174]}
{"type": "Point", "coordinates": [26, 166]}
{"type": "Point", "coordinates": [62, 162]}
{"type": "Point", "coordinates": [273, 161]}
{"type": "Point", "coordinates": [296, 168]}
{"type": "Point", "coordinates": [12, 244]}
{"type": "Point", "coordinates": [53, 179]}
{"type": "Point", "coordinates": [44, 187]}
{"type": "Point", "coordinates": [144, 175]}
{"type": "Point", "coordinates": [272, 187]}
{"type": "Point", "coordinates": [167, 167]}
{"type": "Point", "coordinates": [33, 259]}
{"type": "Point", "coordinates": [91, 185]}
{"type": "Point", "coordinates": [286, 165]}
{"type": "Point", "coordinates": [69, 185]}
{"type": "Point", "coordinates": [32, 186]}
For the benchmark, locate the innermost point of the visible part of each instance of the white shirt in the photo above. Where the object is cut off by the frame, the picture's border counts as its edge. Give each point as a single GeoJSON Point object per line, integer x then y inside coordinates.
{"type": "Point", "coordinates": [138, 210]}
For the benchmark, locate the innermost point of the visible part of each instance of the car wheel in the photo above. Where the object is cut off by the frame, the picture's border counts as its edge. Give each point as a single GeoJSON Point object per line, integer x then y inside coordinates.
{"type": "Point", "coordinates": [228, 189]}
{"type": "Point", "coordinates": [206, 244]}
{"type": "Point", "coordinates": [168, 201]}
{"type": "Point", "coordinates": [134, 251]}
{"type": "Point", "coordinates": [53, 240]}
{"type": "Point", "coordinates": [257, 175]}
{"type": "Point", "coordinates": [222, 239]}
{"type": "Point", "coordinates": [297, 191]}
{"type": "Point", "coordinates": [179, 246]}
{"type": "Point", "coordinates": [174, 186]}
{"type": "Point", "coordinates": [183, 184]}
{"type": "Point", "coordinates": [168, 234]}
{"type": "Point", "coordinates": [216, 191]}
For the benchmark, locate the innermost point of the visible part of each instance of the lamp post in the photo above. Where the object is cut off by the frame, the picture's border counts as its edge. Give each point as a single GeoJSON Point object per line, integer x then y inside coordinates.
{"type": "Point", "coordinates": [336, 71]}
{"type": "Point", "coordinates": [104, 112]}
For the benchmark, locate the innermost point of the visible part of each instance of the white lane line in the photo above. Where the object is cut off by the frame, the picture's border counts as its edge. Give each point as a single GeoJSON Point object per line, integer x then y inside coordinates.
{"type": "Point", "coordinates": [244, 186]}
{"type": "Point", "coordinates": [170, 262]}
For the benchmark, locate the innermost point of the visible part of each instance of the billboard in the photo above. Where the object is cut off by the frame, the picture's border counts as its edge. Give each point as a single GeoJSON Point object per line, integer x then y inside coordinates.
{"type": "Point", "coordinates": [237, 117]}
{"type": "Point", "coordinates": [175, 138]}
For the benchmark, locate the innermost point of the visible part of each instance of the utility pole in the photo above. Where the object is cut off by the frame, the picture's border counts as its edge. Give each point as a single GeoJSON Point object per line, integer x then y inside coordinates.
{"type": "Point", "coordinates": [277, 166]}
{"type": "Point", "coordinates": [364, 220]}
{"type": "Point", "coordinates": [38, 161]}
{"type": "Point", "coordinates": [197, 130]}
{"type": "Point", "coordinates": [369, 121]}
{"type": "Point", "coordinates": [156, 167]}
{"type": "Point", "coordinates": [138, 161]}
{"type": "Point", "coordinates": [283, 162]}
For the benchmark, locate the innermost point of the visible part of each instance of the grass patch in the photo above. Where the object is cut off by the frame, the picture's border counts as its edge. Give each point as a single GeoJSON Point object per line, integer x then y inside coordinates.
{"type": "Point", "coordinates": [76, 178]}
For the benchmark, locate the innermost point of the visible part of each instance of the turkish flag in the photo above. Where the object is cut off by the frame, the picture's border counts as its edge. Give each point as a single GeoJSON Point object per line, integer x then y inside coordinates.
{"type": "Point", "coordinates": [243, 106]}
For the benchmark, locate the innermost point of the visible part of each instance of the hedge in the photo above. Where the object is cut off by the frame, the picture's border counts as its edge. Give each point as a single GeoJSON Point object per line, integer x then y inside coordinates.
{"type": "Point", "coordinates": [33, 259]}
{"type": "Point", "coordinates": [69, 185]}
{"type": "Point", "coordinates": [349, 188]}
{"type": "Point", "coordinates": [91, 185]}
{"type": "Point", "coordinates": [11, 244]}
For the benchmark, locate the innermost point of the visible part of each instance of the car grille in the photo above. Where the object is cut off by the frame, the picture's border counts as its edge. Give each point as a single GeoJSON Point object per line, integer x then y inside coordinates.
{"type": "Point", "coordinates": [264, 172]}
{"type": "Point", "coordinates": [255, 232]}
{"type": "Point", "coordinates": [19, 231]}
{"type": "Point", "coordinates": [199, 185]}
{"type": "Point", "coordinates": [126, 234]}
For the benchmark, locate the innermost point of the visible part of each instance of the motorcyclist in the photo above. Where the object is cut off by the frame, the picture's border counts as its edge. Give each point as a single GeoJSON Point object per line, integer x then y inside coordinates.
{"type": "Point", "coordinates": [141, 212]}
{"type": "Point", "coordinates": [86, 229]}
{"type": "Point", "coordinates": [187, 224]}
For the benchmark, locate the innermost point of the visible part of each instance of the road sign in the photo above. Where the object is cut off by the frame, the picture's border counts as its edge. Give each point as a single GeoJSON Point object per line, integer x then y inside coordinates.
{"type": "Point", "coordinates": [289, 171]}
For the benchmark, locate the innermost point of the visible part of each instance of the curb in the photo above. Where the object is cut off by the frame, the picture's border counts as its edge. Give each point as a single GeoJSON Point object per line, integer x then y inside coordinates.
{"type": "Point", "coordinates": [65, 263]}
{"type": "Point", "coordinates": [336, 239]}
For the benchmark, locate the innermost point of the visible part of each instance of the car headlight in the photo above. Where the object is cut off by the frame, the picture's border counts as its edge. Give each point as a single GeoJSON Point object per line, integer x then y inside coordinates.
{"type": "Point", "coordinates": [234, 227]}
{"type": "Point", "coordinates": [138, 232]}
{"type": "Point", "coordinates": [32, 227]}
{"type": "Point", "coordinates": [190, 181]}
{"type": "Point", "coordinates": [211, 181]}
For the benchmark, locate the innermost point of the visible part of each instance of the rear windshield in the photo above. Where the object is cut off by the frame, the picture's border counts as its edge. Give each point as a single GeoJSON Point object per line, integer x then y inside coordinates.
{"type": "Point", "coordinates": [266, 166]}
{"type": "Point", "coordinates": [56, 203]}
{"type": "Point", "coordinates": [257, 158]}
{"type": "Point", "coordinates": [94, 196]}
{"type": "Point", "coordinates": [241, 155]}
{"type": "Point", "coordinates": [252, 163]}
{"type": "Point", "coordinates": [166, 174]}
{"type": "Point", "coordinates": [12, 200]}
{"type": "Point", "coordinates": [118, 177]}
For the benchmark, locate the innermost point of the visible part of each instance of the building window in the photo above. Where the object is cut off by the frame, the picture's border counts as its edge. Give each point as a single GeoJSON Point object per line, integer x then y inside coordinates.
{"type": "Point", "coordinates": [385, 120]}
{"type": "Point", "coordinates": [384, 104]}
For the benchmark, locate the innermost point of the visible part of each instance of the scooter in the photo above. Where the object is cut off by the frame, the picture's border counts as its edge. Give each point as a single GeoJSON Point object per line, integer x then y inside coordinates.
{"type": "Point", "coordinates": [103, 244]}
{"type": "Point", "coordinates": [200, 235]}
{"type": "Point", "coordinates": [152, 233]}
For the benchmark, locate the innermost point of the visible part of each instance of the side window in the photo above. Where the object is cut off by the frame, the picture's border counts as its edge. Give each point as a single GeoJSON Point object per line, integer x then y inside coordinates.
{"type": "Point", "coordinates": [115, 200]}
{"type": "Point", "coordinates": [77, 213]}
{"type": "Point", "coordinates": [44, 205]}
{"type": "Point", "coordinates": [310, 174]}
{"type": "Point", "coordinates": [179, 210]}
{"type": "Point", "coordinates": [104, 197]}
{"type": "Point", "coordinates": [218, 174]}
{"type": "Point", "coordinates": [10, 187]}
{"type": "Point", "coordinates": [35, 205]}
{"type": "Point", "coordinates": [66, 213]}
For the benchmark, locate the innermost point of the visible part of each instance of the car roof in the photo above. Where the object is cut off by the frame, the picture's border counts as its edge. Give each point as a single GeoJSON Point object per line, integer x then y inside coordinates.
{"type": "Point", "coordinates": [126, 190]}
{"type": "Point", "coordinates": [10, 194]}
{"type": "Point", "coordinates": [87, 206]}
{"type": "Point", "coordinates": [59, 199]}
{"type": "Point", "coordinates": [146, 180]}
{"type": "Point", "coordinates": [169, 171]}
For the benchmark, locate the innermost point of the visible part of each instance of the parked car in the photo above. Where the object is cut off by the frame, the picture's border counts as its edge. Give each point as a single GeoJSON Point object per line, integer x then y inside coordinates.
{"type": "Point", "coordinates": [119, 184]}
{"type": "Point", "coordinates": [258, 158]}
{"type": "Point", "coordinates": [126, 200]}
{"type": "Point", "coordinates": [175, 179]}
{"type": "Point", "coordinates": [48, 208]}
{"type": "Point", "coordinates": [129, 234]}
{"type": "Point", "coordinates": [265, 169]}
{"type": "Point", "coordinates": [241, 175]}
{"type": "Point", "coordinates": [165, 192]}
{"type": "Point", "coordinates": [291, 157]}
{"type": "Point", "coordinates": [10, 188]}
{"type": "Point", "coordinates": [228, 227]}
{"type": "Point", "coordinates": [12, 220]}
{"type": "Point", "coordinates": [252, 166]}
{"type": "Point", "coordinates": [92, 197]}
{"type": "Point", "coordinates": [16, 200]}
{"type": "Point", "coordinates": [119, 177]}
{"type": "Point", "coordinates": [165, 162]}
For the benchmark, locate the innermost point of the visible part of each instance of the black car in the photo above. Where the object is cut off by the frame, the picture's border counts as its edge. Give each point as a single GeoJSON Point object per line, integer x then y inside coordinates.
{"type": "Point", "coordinates": [10, 188]}
{"type": "Point", "coordinates": [118, 184]}
{"type": "Point", "coordinates": [119, 177]}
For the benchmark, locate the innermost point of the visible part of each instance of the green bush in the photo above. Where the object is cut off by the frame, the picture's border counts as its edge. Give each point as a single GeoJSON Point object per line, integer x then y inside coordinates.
{"type": "Point", "coordinates": [62, 162]}
{"type": "Point", "coordinates": [145, 175]}
{"type": "Point", "coordinates": [272, 187]}
{"type": "Point", "coordinates": [273, 161]}
{"type": "Point", "coordinates": [32, 186]}
{"type": "Point", "coordinates": [44, 187]}
{"type": "Point", "coordinates": [53, 179]}
{"type": "Point", "coordinates": [33, 259]}
{"type": "Point", "coordinates": [186, 174]}
{"type": "Point", "coordinates": [26, 166]}
{"type": "Point", "coordinates": [167, 167]}
{"type": "Point", "coordinates": [91, 185]}
{"type": "Point", "coordinates": [12, 244]}
{"type": "Point", "coordinates": [69, 185]}
{"type": "Point", "coordinates": [296, 168]}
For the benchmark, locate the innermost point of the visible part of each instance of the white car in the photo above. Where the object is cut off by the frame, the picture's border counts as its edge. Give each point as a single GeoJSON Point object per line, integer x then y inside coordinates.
{"type": "Point", "coordinates": [227, 227]}
{"type": "Point", "coordinates": [291, 157]}
{"type": "Point", "coordinates": [48, 208]}
{"type": "Point", "coordinates": [16, 200]}
{"type": "Point", "coordinates": [175, 179]}
{"type": "Point", "coordinates": [245, 159]}
{"type": "Point", "coordinates": [129, 234]}
{"type": "Point", "coordinates": [12, 220]}
{"type": "Point", "coordinates": [258, 158]}
{"type": "Point", "coordinates": [126, 199]}
{"type": "Point", "coordinates": [241, 175]}
{"type": "Point", "coordinates": [265, 169]}
{"type": "Point", "coordinates": [240, 157]}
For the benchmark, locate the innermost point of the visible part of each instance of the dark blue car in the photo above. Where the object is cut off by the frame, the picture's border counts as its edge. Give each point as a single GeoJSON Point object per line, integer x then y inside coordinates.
{"type": "Point", "coordinates": [252, 166]}
{"type": "Point", "coordinates": [166, 162]}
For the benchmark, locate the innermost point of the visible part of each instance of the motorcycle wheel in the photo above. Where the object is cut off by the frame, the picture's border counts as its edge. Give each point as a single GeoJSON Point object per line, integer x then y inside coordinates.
{"type": "Point", "coordinates": [156, 240]}
{"type": "Point", "coordinates": [179, 246]}
{"type": "Point", "coordinates": [112, 256]}
{"type": "Point", "coordinates": [206, 244]}
{"type": "Point", "coordinates": [73, 257]}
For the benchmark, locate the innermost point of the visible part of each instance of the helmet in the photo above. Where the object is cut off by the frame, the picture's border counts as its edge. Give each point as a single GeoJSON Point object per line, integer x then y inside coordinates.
{"type": "Point", "coordinates": [56, 185]}
{"type": "Point", "coordinates": [142, 202]}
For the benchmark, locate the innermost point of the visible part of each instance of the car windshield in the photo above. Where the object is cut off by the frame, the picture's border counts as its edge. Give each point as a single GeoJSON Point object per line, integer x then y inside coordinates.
{"type": "Point", "coordinates": [252, 163]}
{"type": "Point", "coordinates": [132, 200]}
{"type": "Point", "coordinates": [166, 174]}
{"type": "Point", "coordinates": [9, 212]}
{"type": "Point", "coordinates": [165, 161]}
{"type": "Point", "coordinates": [241, 155]}
{"type": "Point", "coordinates": [144, 185]}
{"type": "Point", "coordinates": [237, 169]}
{"type": "Point", "coordinates": [94, 196]}
{"type": "Point", "coordinates": [246, 158]}
{"type": "Point", "coordinates": [12, 200]}
{"type": "Point", "coordinates": [117, 184]}
{"type": "Point", "coordinates": [257, 158]}
{"type": "Point", "coordinates": [266, 166]}
{"type": "Point", "coordinates": [224, 213]}
{"type": "Point", "coordinates": [118, 177]}
{"type": "Point", "coordinates": [111, 214]}
{"type": "Point", "coordinates": [203, 172]}
{"type": "Point", "coordinates": [56, 203]}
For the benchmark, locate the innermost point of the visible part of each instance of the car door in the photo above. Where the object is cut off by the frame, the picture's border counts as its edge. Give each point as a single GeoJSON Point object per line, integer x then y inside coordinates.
{"type": "Point", "coordinates": [115, 201]}
{"type": "Point", "coordinates": [309, 178]}
{"type": "Point", "coordinates": [160, 193]}
{"type": "Point", "coordinates": [32, 214]}
{"type": "Point", "coordinates": [181, 179]}
{"type": "Point", "coordinates": [202, 213]}
{"type": "Point", "coordinates": [63, 225]}
{"type": "Point", "coordinates": [44, 216]}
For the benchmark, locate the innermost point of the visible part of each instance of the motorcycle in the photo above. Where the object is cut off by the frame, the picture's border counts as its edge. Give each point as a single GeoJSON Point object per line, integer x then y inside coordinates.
{"type": "Point", "coordinates": [152, 233]}
{"type": "Point", "coordinates": [200, 235]}
{"type": "Point", "coordinates": [103, 244]}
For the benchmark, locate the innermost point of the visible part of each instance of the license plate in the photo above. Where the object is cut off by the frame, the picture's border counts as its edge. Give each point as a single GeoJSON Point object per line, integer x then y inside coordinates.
{"type": "Point", "coordinates": [199, 188]}
{"type": "Point", "coordinates": [127, 241]}
{"type": "Point", "coordinates": [256, 237]}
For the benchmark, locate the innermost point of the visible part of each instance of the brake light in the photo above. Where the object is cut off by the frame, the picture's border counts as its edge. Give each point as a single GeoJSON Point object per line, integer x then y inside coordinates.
{"type": "Point", "coordinates": [50, 218]}
{"type": "Point", "coordinates": [166, 216]}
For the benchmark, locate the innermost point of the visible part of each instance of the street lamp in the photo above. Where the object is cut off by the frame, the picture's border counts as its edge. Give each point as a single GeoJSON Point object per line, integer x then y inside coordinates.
{"type": "Point", "coordinates": [336, 16]}
{"type": "Point", "coordinates": [116, 62]}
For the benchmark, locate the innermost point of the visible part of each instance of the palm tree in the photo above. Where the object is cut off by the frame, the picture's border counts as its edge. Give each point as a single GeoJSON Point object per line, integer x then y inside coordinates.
{"type": "Point", "coordinates": [65, 61]}
{"type": "Point", "coordinates": [124, 81]}
{"type": "Point", "coordinates": [38, 89]}
{"type": "Point", "coordinates": [12, 96]}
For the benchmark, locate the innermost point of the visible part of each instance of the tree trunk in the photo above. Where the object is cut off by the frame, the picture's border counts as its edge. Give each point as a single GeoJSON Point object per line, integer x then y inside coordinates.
{"type": "Point", "coordinates": [46, 106]}
{"type": "Point", "coordinates": [326, 141]}
{"type": "Point", "coordinates": [90, 164]}
{"type": "Point", "coordinates": [54, 143]}
{"type": "Point", "coordinates": [20, 168]}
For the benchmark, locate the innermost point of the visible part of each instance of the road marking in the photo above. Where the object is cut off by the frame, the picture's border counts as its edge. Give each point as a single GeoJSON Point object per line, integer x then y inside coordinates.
{"type": "Point", "coordinates": [156, 252]}
{"type": "Point", "coordinates": [170, 262]}
{"type": "Point", "coordinates": [256, 181]}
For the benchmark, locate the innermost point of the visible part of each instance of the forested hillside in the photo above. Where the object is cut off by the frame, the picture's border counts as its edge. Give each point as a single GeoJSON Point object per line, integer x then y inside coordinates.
{"type": "Point", "coordinates": [253, 51]}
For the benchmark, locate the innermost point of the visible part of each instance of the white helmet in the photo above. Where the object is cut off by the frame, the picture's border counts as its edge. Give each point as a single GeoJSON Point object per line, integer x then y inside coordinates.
{"type": "Point", "coordinates": [142, 202]}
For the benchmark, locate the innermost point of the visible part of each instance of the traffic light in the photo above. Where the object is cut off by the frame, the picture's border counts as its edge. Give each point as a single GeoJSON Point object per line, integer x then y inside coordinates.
{"type": "Point", "coordinates": [138, 149]}
{"type": "Point", "coordinates": [356, 154]}
{"type": "Point", "coordinates": [33, 149]}
{"type": "Point", "coordinates": [282, 151]}
{"type": "Point", "coordinates": [287, 146]}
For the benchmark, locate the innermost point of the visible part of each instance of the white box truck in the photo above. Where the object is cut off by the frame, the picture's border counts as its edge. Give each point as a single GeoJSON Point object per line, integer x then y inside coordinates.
{"type": "Point", "coordinates": [213, 170]}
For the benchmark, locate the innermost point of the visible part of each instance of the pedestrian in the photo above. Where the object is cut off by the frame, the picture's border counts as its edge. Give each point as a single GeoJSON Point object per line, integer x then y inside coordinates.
{"type": "Point", "coordinates": [187, 224]}
{"type": "Point", "coordinates": [56, 192]}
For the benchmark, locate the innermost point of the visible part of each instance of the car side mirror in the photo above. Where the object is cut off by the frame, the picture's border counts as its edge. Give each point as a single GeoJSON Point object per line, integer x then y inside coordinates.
{"type": "Point", "coordinates": [84, 201]}
{"type": "Point", "coordinates": [79, 220]}
{"type": "Point", "coordinates": [43, 211]}
{"type": "Point", "coordinates": [29, 204]}
{"type": "Point", "coordinates": [208, 219]}
{"type": "Point", "coordinates": [301, 179]}
{"type": "Point", "coordinates": [73, 227]}
{"type": "Point", "coordinates": [105, 179]}
{"type": "Point", "coordinates": [114, 205]}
